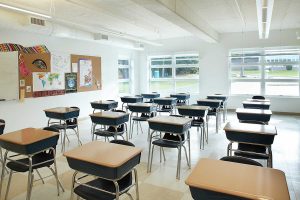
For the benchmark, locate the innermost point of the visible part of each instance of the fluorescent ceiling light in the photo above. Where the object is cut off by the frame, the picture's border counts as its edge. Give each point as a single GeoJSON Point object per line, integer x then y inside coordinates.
{"type": "Point", "coordinates": [264, 10]}
{"type": "Point", "coordinates": [23, 10]}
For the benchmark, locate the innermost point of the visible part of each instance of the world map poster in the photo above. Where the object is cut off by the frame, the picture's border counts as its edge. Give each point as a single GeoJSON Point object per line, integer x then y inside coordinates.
{"type": "Point", "coordinates": [46, 81]}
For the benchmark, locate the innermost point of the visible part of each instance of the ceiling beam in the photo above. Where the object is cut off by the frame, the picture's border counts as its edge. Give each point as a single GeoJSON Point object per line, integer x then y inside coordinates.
{"type": "Point", "coordinates": [180, 14]}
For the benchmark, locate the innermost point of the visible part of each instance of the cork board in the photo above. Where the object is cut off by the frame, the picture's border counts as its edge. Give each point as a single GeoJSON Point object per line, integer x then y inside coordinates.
{"type": "Point", "coordinates": [96, 72]}
{"type": "Point", "coordinates": [30, 67]}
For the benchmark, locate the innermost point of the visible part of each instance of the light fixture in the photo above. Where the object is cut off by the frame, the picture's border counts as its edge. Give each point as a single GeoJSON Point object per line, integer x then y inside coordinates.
{"type": "Point", "coordinates": [264, 10]}
{"type": "Point", "coordinates": [23, 10]}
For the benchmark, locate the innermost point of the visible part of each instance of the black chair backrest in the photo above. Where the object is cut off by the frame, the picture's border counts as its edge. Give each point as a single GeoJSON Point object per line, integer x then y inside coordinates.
{"type": "Point", "coordinates": [2, 126]}
{"type": "Point", "coordinates": [242, 160]}
{"type": "Point", "coordinates": [258, 97]}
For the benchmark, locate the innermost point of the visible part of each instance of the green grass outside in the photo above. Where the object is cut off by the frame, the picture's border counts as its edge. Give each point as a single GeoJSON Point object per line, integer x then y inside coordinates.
{"type": "Point", "coordinates": [181, 86]}
{"type": "Point", "coordinates": [124, 87]}
{"type": "Point", "coordinates": [277, 73]}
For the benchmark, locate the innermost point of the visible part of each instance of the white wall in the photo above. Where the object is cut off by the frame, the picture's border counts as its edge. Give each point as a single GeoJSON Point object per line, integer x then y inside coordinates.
{"type": "Point", "coordinates": [214, 63]}
{"type": "Point", "coordinates": [30, 113]}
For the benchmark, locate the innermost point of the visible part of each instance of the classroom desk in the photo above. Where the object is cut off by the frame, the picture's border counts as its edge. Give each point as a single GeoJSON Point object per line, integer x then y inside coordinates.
{"type": "Point", "coordinates": [260, 135]}
{"type": "Point", "coordinates": [130, 99]}
{"type": "Point", "coordinates": [182, 98]}
{"type": "Point", "coordinates": [224, 99]}
{"type": "Point", "coordinates": [174, 125]}
{"type": "Point", "coordinates": [216, 180]}
{"type": "Point", "coordinates": [199, 116]}
{"type": "Point", "coordinates": [150, 96]}
{"type": "Point", "coordinates": [256, 105]}
{"type": "Point", "coordinates": [255, 115]}
{"type": "Point", "coordinates": [109, 118]}
{"type": "Point", "coordinates": [105, 161]}
{"type": "Point", "coordinates": [104, 105]}
{"type": "Point", "coordinates": [170, 102]}
{"type": "Point", "coordinates": [62, 114]}
{"type": "Point", "coordinates": [27, 142]}
{"type": "Point", "coordinates": [146, 111]}
{"type": "Point", "coordinates": [214, 104]}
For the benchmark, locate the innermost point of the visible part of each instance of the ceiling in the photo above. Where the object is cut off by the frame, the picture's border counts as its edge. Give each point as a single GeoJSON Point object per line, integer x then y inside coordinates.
{"type": "Point", "coordinates": [162, 19]}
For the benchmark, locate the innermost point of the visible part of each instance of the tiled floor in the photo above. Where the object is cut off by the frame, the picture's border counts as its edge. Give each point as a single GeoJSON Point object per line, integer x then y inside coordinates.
{"type": "Point", "coordinates": [161, 184]}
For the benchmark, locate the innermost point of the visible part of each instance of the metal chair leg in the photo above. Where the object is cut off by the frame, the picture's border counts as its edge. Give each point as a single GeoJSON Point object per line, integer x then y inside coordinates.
{"type": "Point", "coordinates": [56, 176]}
{"type": "Point", "coordinates": [73, 185]}
{"type": "Point", "coordinates": [136, 184]}
{"type": "Point", "coordinates": [178, 163]}
{"type": "Point", "coordinates": [186, 156]}
{"type": "Point", "coordinates": [29, 178]}
{"type": "Point", "coordinates": [3, 171]}
{"type": "Point", "coordinates": [163, 153]}
{"type": "Point", "coordinates": [38, 173]}
{"type": "Point", "coordinates": [8, 184]}
{"type": "Point", "coordinates": [151, 159]}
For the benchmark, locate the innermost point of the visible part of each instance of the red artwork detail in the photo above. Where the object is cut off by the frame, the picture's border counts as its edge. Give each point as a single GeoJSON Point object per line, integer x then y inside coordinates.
{"type": "Point", "coordinates": [23, 69]}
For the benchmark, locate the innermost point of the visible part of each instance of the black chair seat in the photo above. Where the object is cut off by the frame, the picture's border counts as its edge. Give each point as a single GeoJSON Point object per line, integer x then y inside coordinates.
{"type": "Point", "coordinates": [251, 148]}
{"type": "Point", "coordinates": [62, 126]}
{"type": "Point", "coordinates": [105, 133]}
{"type": "Point", "coordinates": [197, 122]}
{"type": "Point", "coordinates": [169, 140]}
{"type": "Point", "coordinates": [38, 158]}
{"type": "Point", "coordinates": [238, 159]}
{"type": "Point", "coordinates": [92, 194]}
{"type": "Point", "coordinates": [166, 143]}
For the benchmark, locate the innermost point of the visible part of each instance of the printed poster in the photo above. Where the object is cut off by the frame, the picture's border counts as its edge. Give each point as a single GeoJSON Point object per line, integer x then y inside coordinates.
{"type": "Point", "coordinates": [45, 81]}
{"type": "Point", "coordinates": [60, 63]}
{"type": "Point", "coordinates": [71, 82]}
{"type": "Point", "coordinates": [85, 73]}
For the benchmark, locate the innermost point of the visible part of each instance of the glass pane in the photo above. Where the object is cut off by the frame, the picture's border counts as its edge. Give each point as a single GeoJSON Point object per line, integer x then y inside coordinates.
{"type": "Point", "coordinates": [123, 73]}
{"type": "Point", "coordinates": [245, 88]}
{"type": "Point", "coordinates": [282, 72]}
{"type": "Point", "coordinates": [123, 62]}
{"type": "Point", "coordinates": [187, 60]}
{"type": "Point", "coordinates": [190, 86]}
{"type": "Point", "coordinates": [161, 61]}
{"type": "Point", "coordinates": [161, 86]}
{"type": "Point", "coordinates": [282, 58]}
{"type": "Point", "coordinates": [187, 72]}
{"type": "Point", "coordinates": [245, 72]}
{"type": "Point", "coordinates": [161, 72]}
{"type": "Point", "coordinates": [251, 59]}
{"type": "Point", "coordinates": [282, 88]}
{"type": "Point", "coordinates": [124, 87]}
{"type": "Point", "coordinates": [236, 60]}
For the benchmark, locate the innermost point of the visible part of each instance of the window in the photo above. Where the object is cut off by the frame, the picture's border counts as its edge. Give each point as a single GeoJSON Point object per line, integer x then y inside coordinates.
{"type": "Point", "coordinates": [124, 76]}
{"type": "Point", "coordinates": [268, 71]}
{"type": "Point", "coordinates": [174, 73]}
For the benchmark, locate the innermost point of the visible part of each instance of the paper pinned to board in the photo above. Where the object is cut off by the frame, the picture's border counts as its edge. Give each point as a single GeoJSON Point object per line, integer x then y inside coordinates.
{"type": "Point", "coordinates": [74, 67]}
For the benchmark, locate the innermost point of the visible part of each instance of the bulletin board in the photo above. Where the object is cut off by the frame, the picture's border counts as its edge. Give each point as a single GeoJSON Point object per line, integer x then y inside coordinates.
{"type": "Point", "coordinates": [30, 68]}
{"type": "Point", "coordinates": [88, 70]}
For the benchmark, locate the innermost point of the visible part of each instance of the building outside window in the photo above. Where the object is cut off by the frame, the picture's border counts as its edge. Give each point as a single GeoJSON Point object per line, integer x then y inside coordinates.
{"type": "Point", "coordinates": [124, 76]}
{"type": "Point", "coordinates": [267, 71]}
{"type": "Point", "coordinates": [174, 73]}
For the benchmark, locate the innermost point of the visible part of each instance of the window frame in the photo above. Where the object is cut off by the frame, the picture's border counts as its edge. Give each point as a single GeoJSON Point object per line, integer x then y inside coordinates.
{"type": "Point", "coordinates": [263, 80]}
{"type": "Point", "coordinates": [173, 79]}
